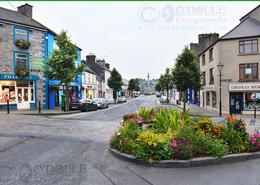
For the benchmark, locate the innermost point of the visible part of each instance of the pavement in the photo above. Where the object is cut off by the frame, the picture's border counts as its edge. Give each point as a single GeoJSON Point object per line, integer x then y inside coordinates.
{"type": "Point", "coordinates": [73, 150]}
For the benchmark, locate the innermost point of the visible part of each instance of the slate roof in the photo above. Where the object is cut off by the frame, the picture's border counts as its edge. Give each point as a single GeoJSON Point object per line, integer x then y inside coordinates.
{"type": "Point", "coordinates": [89, 70]}
{"type": "Point", "coordinates": [16, 17]}
{"type": "Point", "coordinates": [247, 28]}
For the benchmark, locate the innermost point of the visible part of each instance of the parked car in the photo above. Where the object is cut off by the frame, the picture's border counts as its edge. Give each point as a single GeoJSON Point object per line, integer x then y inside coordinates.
{"type": "Point", "coordinates": [88, 105]}
{"type": "Point", "coordinates": [163, 99]}
{"type": "Point", "coordinates": [158, 94]}
{"type": "Point", "coordinates": [101, 103]}
{"type": "Point", "coordinates": [75, 104]}
{"type": "Point", "coordinates": [121, 99]}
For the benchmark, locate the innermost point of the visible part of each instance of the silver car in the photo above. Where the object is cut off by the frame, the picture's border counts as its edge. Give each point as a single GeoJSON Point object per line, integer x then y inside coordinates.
{"type": "Point", "coordinates": [101, 103]}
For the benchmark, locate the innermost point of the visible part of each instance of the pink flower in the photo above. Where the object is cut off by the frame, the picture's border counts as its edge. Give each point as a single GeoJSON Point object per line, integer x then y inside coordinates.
{"type": "Point", "coordinates": [238, 117]}
{"type": "Point", "coordinates": [174, 143]}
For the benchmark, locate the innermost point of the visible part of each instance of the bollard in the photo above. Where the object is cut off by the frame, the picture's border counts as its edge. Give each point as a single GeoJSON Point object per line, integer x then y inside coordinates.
{"type": "Point", "coordinates": [8, 106]}
{"type": "Point", "coordinates": [40, 107]}
{"type": "Point", "coordinates": [255, 112]}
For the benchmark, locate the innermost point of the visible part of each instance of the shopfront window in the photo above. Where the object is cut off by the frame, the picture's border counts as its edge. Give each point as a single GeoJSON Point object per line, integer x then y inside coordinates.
{"type": "Point", "coordinates": [214, 99]}
{"type": "Point", "coordinates": [248, 71]}
{"type": "Point", "coordinates": [207, 99]}
{"type": "Point", "coordinates": [7, 91]}
{"type": "Point", "coordinates": [251, 99]}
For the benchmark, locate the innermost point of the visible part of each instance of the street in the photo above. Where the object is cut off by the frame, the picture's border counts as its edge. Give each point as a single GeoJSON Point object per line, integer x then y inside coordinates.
{"type": "Point", "coordinates": [73, 150]}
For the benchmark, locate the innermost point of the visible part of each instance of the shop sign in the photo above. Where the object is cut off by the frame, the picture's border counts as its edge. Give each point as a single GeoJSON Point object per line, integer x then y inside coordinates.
{"type": "Point", "coordinates": [13, 77]}
{"type": "Point", "coordinates": [245, 87]}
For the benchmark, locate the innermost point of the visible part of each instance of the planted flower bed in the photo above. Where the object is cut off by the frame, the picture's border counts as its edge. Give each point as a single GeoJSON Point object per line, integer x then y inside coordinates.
{"type": "Point", "coordinates": [164, 134]}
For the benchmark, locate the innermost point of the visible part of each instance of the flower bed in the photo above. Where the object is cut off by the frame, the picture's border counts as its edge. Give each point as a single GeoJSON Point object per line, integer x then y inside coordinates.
{"type": "Point", "coordinates": [164, 134]}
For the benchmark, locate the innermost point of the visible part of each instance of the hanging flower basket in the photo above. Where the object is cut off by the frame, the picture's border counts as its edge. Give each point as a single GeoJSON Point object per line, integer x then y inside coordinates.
{"type": "Point", "coordinates": [22, 72]}
{"type": "Point", "coordinates": [23, 44]}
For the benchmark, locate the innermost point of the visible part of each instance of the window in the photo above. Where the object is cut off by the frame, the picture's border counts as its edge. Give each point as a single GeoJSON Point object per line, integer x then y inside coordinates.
{"type": "Point", "coordinates": [21, 34]}
{"type": "Point", "coordinates": [32, 91]}
{"type": "Point", "coordinates": [21, 60]}
{"type": "Point", "coordinates": [7, 91]}
{"type": "Point", "coordinates": [203, 59]}
{"type": "Point", "coordinates": [248, 46]}
{"type": "Point", "coordinates": [204, 78]}
{"type": "Point", "coordinates": [211, 76]}
{"type": "Point", "coordinates": [248, 71]}
{"type": "Point", "coordinates": [207, 99]}
{"type": "Point", "coordinates": [211, 54]}
{"type": "Point", "coordinates": [251, 99]}
{"type": "Point", "coordinates": [214, 99]}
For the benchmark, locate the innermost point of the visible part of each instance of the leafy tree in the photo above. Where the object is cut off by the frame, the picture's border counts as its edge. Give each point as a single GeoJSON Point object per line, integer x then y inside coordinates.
{"type": "Point", "coordinates": [133, 85]}
{"type": "Point", "coordinates": [186, 73]}
{"type": "Point", "coordinates": [166, 82]}
{"type": "Point", "coordinates": [61, 65]}
{"type": "Point", "coordinates": [115, 82]}
{"type": "Point", "coordinates": [158, 86]}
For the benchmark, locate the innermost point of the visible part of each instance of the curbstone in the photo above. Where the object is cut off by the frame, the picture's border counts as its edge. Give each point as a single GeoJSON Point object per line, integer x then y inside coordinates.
{"type": "Point", "coordinates": [195, 162]}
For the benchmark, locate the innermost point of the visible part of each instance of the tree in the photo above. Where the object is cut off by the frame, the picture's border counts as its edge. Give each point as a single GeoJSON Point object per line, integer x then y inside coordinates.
{"type": "Point", "coordinates": [133, 85]}
{"type": "Point", "coordinates": [61, 65]}
{"type": "Point", "coordinates": [115, 82]}
{"type": "Point", "coordinates": [166, 82]}
{"type": "Point", "coordinates": [186, 73]}
{"type": "Point", "coordinates": [158, 86]}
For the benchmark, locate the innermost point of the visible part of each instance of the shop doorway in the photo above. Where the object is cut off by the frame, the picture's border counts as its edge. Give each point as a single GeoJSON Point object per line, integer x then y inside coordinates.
{"type": "Point", "coordinates": [23, 98]}
{"type": "Point", "coordinates": [236, 103]}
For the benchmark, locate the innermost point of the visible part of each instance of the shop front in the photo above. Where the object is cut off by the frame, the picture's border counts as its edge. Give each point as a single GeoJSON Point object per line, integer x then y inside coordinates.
{"type": "Point", "coordinates": [21, 93]}
{"type": "Point", "coordinates": [244, 97]}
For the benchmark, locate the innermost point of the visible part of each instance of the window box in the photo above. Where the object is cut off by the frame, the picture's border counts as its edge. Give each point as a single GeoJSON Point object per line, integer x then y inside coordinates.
{"type": "Point", "coordinates": [22, 72]}
{"type": "Point", "coordinates": [22, 44]}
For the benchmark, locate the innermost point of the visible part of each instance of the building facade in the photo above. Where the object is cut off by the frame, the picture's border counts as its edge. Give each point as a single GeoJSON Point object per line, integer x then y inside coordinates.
{"type": "Point", "coordinates": [89, 84]}
{"type": "Point", "coordinates": [238, 52]}
{"type": "Point", "coordinates": [23, 47]}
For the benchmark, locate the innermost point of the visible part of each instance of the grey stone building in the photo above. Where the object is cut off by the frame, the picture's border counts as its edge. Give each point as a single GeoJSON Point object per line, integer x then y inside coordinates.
{"type": "Point", "coordinates": [24, 45]}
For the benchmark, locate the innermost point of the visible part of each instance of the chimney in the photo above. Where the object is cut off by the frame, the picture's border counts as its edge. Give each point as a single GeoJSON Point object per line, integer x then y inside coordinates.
{"type": "Point", "coordinates": [26, 10]}
{"type": "Point", "coordinates": [107, 65]}
{"type": "Point", "coordinates": [194, 47]}
{"type": "Point", "coordinates": [205, 40]}
{"type": "Point", "coordinates": [90, 59]}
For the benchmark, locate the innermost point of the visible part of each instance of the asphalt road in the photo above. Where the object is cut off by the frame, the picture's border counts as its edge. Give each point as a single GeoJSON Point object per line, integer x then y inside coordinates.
{"type": "Point", "coordinates": [72, 150]}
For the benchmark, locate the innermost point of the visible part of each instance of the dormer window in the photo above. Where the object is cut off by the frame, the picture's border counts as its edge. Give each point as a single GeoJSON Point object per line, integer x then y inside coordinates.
{"type": "Point", "coordinates": [248, 46]}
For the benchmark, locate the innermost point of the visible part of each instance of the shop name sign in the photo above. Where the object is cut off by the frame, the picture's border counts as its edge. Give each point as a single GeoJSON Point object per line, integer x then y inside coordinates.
{"type": "Point", "coordinates": [12, 77]}
{"type": "Point", "coordinates": [245, 87]}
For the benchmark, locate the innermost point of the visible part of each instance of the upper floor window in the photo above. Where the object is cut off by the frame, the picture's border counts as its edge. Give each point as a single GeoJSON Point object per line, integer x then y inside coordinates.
{"type": "Point", "coordinates": [248, 71]}
{"type": "Point", "coordinates": [203, 59]}
{"type": "Point", "coordinates": [248, 46]}
{"type": "Point", "coordinates": [211, 54]}
{"type": "Point", "coordinates": [211, 76]}
{"type": "Point", "coordinates": [21, 34]}
{"type": "Point", "coordinates": [21, 61]}
{"type": "Point", "coordinates": [204, 78]}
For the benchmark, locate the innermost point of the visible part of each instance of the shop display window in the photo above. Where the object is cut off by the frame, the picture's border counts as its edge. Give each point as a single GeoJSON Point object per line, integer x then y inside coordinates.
{"type": "Point", "coordinates": [251, 99]}
{"type": "Point", "coordinates": [214, 99]}
{"type": "Point", "coordinates": [7, 91]}
{"type": "Point", "coordinates": [207, 99]}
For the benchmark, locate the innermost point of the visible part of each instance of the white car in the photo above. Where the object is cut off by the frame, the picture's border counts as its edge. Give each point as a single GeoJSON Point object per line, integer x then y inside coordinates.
{"type": "Point", "coordinates": [163, 99]}
{"type": "Point", "coordinates": [121, 99]}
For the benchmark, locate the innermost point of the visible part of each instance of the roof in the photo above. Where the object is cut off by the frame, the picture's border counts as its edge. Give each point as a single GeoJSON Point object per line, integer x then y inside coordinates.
{"type": "Point", "coordinates": [89, 70]}
{"type": "Point", "coordinates": [247, 28]}
{"type": "Point", "coordinates": [16, 17]}
{"type": "Point", "coordinates": [249, 12]}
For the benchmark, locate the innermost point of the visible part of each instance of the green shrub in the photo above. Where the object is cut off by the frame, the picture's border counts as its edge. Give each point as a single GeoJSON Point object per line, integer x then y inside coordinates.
{"type": "Point", "coordinates": [147, 114]}
{"type": "Point", "coordinates": [237, 141]}
{"type": "Point", "coordinates": [153, 146]}
{"type": "Point", "coordinates": [166, 120]}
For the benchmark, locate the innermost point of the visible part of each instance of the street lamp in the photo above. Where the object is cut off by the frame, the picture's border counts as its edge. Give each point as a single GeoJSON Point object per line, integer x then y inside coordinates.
{"type": "Point", "coordinates": [220, 67]}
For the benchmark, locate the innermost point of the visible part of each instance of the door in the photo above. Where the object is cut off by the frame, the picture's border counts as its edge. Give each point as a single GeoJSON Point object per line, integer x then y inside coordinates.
{"type": "Point", "coordinates": [23, 98]}
{"type": "Point", "coordinates": [236, 103]}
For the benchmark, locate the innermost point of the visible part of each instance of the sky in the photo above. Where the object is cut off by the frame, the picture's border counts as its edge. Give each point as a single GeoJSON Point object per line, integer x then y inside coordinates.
{"type": "Point", "coordinates": [137, 38]}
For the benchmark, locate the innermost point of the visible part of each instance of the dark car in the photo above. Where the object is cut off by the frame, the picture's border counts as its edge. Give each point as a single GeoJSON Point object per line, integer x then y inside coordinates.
{"type": "Point", "coordinates": [88, 106]}
{"type": "Point", "coordinates": [75, 104]}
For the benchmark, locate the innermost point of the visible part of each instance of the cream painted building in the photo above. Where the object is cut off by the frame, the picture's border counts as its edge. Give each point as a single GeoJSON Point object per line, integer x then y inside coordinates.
{"type": "Point", "coordinates": [238, 51]}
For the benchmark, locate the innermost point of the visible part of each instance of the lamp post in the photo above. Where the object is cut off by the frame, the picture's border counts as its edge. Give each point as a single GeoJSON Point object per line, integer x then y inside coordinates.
{"type": "Point", "coordinates": [220, 67]}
